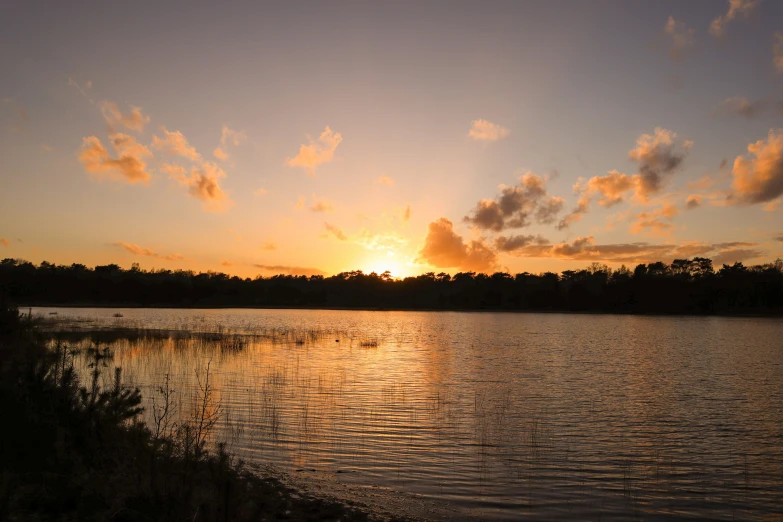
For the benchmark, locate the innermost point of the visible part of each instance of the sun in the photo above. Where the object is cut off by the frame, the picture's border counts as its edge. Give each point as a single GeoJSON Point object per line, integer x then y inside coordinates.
{"type": "Point", "coordinates": [380, 263]}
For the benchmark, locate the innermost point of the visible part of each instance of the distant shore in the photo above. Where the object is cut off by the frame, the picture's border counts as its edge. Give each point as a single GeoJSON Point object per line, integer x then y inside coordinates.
{"type": "Point", "coordinates": [771, 314]}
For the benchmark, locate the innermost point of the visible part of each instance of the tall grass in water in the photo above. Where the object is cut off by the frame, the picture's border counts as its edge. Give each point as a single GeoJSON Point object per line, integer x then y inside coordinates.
{"type": "Point", "coordinates": [73, 450]}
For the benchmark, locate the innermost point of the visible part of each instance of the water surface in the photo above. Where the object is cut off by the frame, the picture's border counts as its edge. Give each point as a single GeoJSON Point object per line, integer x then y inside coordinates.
{"type": "Point", "coordinates": [504, 416]}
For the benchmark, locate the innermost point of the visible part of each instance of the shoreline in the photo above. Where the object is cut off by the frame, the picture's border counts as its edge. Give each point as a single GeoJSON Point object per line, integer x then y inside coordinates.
{"type": "Point", "coordinates": [768, 315]}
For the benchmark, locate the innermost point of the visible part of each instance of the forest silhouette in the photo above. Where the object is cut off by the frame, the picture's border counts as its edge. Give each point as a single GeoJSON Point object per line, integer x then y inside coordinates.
{"type": "Point", "coordinates": [686, 286]}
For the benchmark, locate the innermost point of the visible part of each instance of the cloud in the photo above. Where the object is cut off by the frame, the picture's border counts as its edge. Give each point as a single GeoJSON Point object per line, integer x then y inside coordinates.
{"type": "Point", "coordinates": [733, 255]}
{"type": "Point", "coordinates": [406, 216]}
{"type": "Point", "coordinates": [226, 262]}
{"type": "Point", "coordinates": [136, 250]}
{"type": "Point", "coordinates": [517, 206]}
{"type": "Point", "coordinates": [582, 207]}
{"type": "Point", "coordinates": [228, 137]}
{"type": "Point", "coordinates": [133, 120]}
{"type": "Point", "coordinates": [336, 232]}
{"type": "Point", "coordinates": [508, 244]}
{"type": "Point", "coordinates": [321, 205]}
{"type": "Point", "coordinates": [658, 156]}
{"type": "Point", "coordinates": [758, 177]}
{"type": "Point", "coordinates": [129, 166]}
{"type": "Point", "coordinates": [693, 202]}
{"type": "Point", "coordinates": [290, 270]}
{"type": "Point", "coordinates": [445, 249]}
{"type": "Point", "coordinates": [585, 249]}
{"type": "Point", "coordinates": [777, 52]}
{"type": "Point", "coordinates": [268, 246]}
{"type": "Point", "coordinates": [317, 152]}
{"type": "Point", "coordinates": [203, 184]}
{"type": "Point", "coordinates": [611, 188]}
{"type": "Point", "coordinates": [681, 37]}
{"type": "Point", "coordinates": [4, 242]}
{"type": "Point", "coordinates": [483, 130]}
{"type": "Point", "coordinates": [175, 143]}
{"type": "Point", "coordinates": [656, 222]}
{"type": "Point", "coordinates": [260, 192]}
{"type": "Point", "coordinates": [741, 106]}
{"type": "Point", "coordinates": [83, 88]}
{"type": "Point", "coordinates": [736, 7]}
{"type": "Point", "coordinates": [385, 180]}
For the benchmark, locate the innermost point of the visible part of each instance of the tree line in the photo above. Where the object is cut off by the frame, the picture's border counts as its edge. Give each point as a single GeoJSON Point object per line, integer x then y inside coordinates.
{"type": "Point", "coordinates": [685, 286]}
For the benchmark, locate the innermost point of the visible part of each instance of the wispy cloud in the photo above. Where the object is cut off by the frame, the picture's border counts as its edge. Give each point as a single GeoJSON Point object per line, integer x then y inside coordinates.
{"type": "Point", "coordinates": [656, 222]}
{"type": "Point", "coordinates": [136, 250]}
{"type": "Point", "coordinates": [317, 152]}
{"type": "Point", "coordinates": [228, 137]}
{"type": "Point", "coordinates": [385, 180]}
{"type": "Point", "coordinates": [736, 8]}
{"type": "Point", "coordinates": [82, 88]}
{"type": "Point", "coordinates": [260, 192]}
{"type": "Point", "coordinates": [133, 120]}
{"type": "Point", "coordinates": [4, 242]}
{"type": "Point", "coordinates": [483, 130]}
{"type": "Point", "coordinates": [335, 231]}
{"type": "Point", "coordinates": [174, 142]}
{"type": "Point", "coordinates": [321, 205]}
{"type": "Point", "coordinates": [681, 38]}
{"type": "Point", "coordinates": [129, 166]}
{"type": "Point", "coordinates": [268, 246]}
{"type": "Point", "coordinates": [741, 106]}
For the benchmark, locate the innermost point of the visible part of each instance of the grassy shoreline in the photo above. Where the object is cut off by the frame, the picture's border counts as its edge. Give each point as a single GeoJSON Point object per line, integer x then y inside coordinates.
{"type": "Point", "coordinates": [76, 450]}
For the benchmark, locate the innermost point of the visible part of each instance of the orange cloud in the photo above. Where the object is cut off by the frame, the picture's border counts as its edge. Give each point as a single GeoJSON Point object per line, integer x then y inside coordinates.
{"type": "Point", "coordinates": [4, 242]}
{"type": "Point", "coordinates": [174, 142]}
{"type": "Point", "coordinates": [758, 177]}
{"type": "Point", "coordinates": [483, 130]}
{"type": "Point", "coordinates": [736, 8]}
{"type": "Point", "coordinates": [385, 180]}
{"type": "Point", "coordinates": [226, 262]}
{"type": "Point", "coordinates": [269, 246]}
{"type": "Point", "coordinates": [652, 223]}
{"type": "Point", "coordinates": [406, 216]}
{"type": "Point", "coordinates": [133, 120]}
{"type": "Point", "coordinates": [611, 187]}
{"type": "Point", "coordinates": [260, 192]}
{"type": "Point", "coordinates": [317, 152]}
{"type": "Point", "coordinates": [443, 248]}
{"type": "Point", "coordinates": [227, 137]}
{"type": "Point", "coordinates": [704, 182]}
{"type": "Point", "coordinates": [693, 202]}
{"type": "Point", "coordinates": [83, 88]}
{"type": "Point", "coordinates": [136, 250]}
{"type": "Point", "coordinates": [129, 166]}
{"type": "Point", "coordinates": [203, 184]}
{"type": "Point", "coordinates": [681, 37]}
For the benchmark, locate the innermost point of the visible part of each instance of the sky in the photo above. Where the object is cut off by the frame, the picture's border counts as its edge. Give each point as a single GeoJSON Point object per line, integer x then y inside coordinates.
{"type": "Point", "coordinates": [257, 138]}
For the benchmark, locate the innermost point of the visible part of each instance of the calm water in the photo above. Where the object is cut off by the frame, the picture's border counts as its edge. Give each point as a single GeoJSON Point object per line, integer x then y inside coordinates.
{"type": "Point", "coordinates": [503, 416]}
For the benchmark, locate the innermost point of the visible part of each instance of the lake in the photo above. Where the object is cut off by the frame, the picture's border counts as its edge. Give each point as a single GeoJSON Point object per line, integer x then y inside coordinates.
{"type": "Point", "coordinates": [498, 416]}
